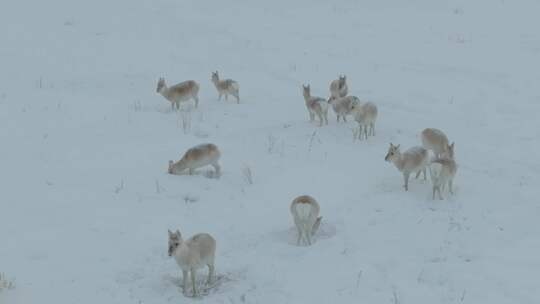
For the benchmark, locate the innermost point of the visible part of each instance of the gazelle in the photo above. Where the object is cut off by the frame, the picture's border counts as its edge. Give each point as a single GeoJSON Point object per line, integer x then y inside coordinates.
{"type": "Point", "coordinates": [192, 254]}
{"type": "Point", "coordinates": [415, 159]}
{"type": "Point", "coordinates": [365, 115]}
{"type": "Point", "coordinates": [316, 106]}
{"type": "Point", "coordinates": [196, 157]}
{"type": "Point", "coordinates": [442, 171]}
{"type": "Point", "coordinates": [226, 87]}
{"type": "Point", "coordinates": [178, 93]}
{"type": "Point", "coordinates": [339, 88]}
{"type": "Point", "coordinates": [435, 140]}
{"type": "Point", "coordinates": [305, 211]}
{"type": "Point", "coordinates": [342, 106]}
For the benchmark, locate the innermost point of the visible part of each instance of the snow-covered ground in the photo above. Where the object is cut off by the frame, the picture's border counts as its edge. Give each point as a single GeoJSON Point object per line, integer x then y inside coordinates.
{"type": "Point", "coordinates": [85, 200]}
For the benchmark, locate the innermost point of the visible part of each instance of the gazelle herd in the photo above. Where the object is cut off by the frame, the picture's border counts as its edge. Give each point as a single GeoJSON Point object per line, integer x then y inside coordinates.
{"type": "Point", "coordinates": [199, 250]}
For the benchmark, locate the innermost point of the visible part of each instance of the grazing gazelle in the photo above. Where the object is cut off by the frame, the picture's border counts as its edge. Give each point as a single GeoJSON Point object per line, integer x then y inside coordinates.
{"type": "Point", "coordinates": [343, 105]}
{"type": "Point", "coordinates": [365, 115]}
{"type": "Point", "coordinates": [415, 159]}
{"type": "Point", "coordinates": [180, 92]}
{"type": "Point", "coordinates": [196, 157]}
{"type": "Point", "coordinates": [442, 171]}
{"type": "Point", "coordinates": [316, 106]}
{"type": "Point", "coordinates": [305, 212]}
{"type": "Point", "coordinates": [226, 87]}
{"type": "Point", "coordinates": [434, 140]}
{"type": "Point", "coordinates": [338, 87]}
{"type": "Point", "coordinates": [192, 254]}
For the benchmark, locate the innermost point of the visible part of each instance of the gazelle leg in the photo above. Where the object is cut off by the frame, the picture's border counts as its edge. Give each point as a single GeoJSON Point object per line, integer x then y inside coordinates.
{"type": "Point", "coordinates": [217, 168]}
{"type": "Point", "coordinates": [194, 282]}
{"type": "Point", "coordinates": [309, 233]}
{"type": "Point", "coordinates": [185, 279]}
{"type": "Point", "coordinates": [320, 119]}
{"type": "Point", "coordinates": [418, 173]}
{"type": "Point", "coordinates": [450, 185]}
{"type": "Point", "coordinates": [211, 270]}
{"type": "Point", "coordinates": [226, 96]}
{"type": "Point", "coordinates": [191, 171]}
{"type": "Point", "coordinates": [434, 187]}
{"type": "Point", "coordinates": [365, 131]}
{"type": "Point", "coordinates": [311, 116]}
{"type": "Point", "coordinates": [406, 178]}
{"type": "Point", "coordinates": [424, 170]}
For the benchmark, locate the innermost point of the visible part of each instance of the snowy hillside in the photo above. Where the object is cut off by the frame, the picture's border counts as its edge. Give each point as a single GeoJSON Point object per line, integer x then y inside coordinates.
{"type": "Point", "coordinates": [86, 201]}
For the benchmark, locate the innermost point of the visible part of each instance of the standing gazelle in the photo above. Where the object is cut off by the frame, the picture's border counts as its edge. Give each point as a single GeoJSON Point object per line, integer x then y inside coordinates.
{"type": "Point", "coordinates": [305, 211]}
{"type": "Point", "coordinates": [180, 92]}
{"type": "Point", "coordinates": [415, 159]}
{"type": "Point", "coordinates": [442, 171]}
{"type": "Point", "coordinates": [343, 105]}
{"type": "Point", "coordinates": [365, 115]}
{"type": "Point", "coordinates": [338, 87]}
{"type": "Point", "coordinates": [434, 140]}
{"type": "Point", "coordinates": [226, 87]}
{"type": "Point", "coordinates": [195, 253]}
{"type": "Point", "coordinates": [316, 106]}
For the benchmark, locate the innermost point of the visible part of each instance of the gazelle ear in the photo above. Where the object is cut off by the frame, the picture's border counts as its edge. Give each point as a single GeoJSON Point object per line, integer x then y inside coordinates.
{"type": "Point", "coordinates": [452, 145]}
{"type": "Point", "coordinates": [397, 147]}
{"type": "Point", "coordinates": [178, 234]}
{"type": "Point", "coordinates": [170, 233]}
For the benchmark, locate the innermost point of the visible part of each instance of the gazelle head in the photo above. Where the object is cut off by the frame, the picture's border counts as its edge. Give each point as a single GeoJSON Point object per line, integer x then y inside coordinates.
{"type": "Point", "coordinates": [307, 90]}
{"type": "Point", "coordinates": [342, 80]}
{"type": "Point", "coordinates": [449, 151]}
{"type": "Point", "coordinates": [175, 239]}
{"type": "Point", "coordinates": [215, 76]}
{"type": "Point", "coordinates": [331, 98]}
{"type": "Point", "coordinates": [178, 167]}
{"type": "Point", "coordinates": [393, 152]}
{"type": "Point", "coordinates": [160, 84]}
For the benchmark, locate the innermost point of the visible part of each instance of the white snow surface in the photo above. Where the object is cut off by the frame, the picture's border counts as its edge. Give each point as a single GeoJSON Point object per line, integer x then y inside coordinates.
{"type": "Point", "coordinates": [85, 199]}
